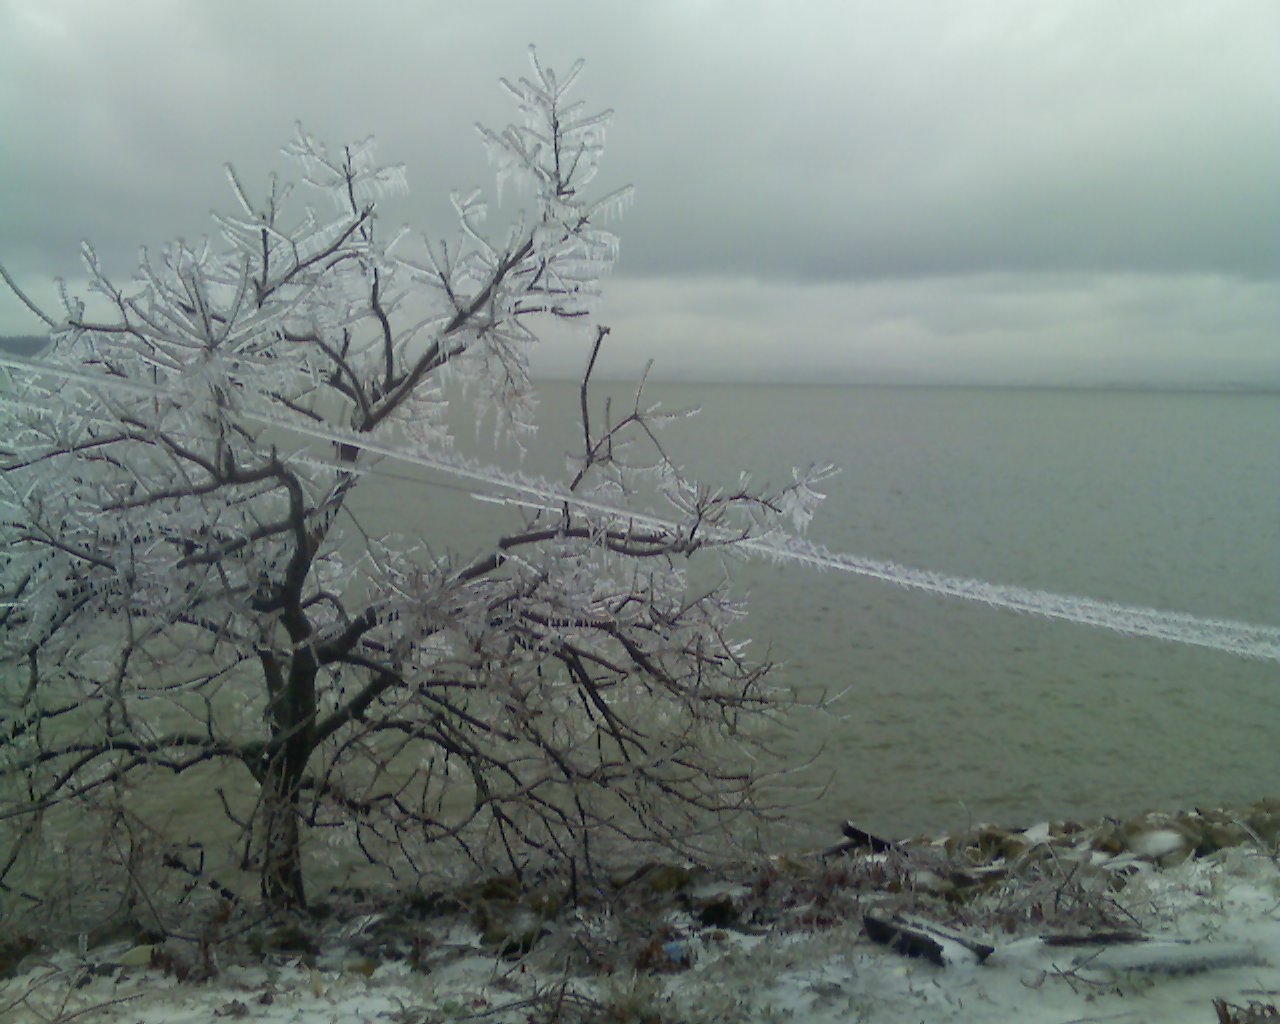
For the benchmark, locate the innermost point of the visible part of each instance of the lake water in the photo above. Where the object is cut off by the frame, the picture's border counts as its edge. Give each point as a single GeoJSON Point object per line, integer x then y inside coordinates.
{"type": "Point", "coordinates": [954, 711]}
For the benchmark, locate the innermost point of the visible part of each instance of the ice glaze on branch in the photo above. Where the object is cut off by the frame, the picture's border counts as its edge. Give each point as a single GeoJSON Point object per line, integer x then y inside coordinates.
{"type": "Point", "coordinates": [188, 585]}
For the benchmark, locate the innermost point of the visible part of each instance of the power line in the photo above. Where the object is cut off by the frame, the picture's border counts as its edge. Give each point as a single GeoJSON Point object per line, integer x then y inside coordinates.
{"type": "Point", "coordinates": [1243, 639]}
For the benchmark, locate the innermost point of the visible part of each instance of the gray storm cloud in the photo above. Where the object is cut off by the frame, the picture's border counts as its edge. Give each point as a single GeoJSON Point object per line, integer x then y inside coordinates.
{"type": "Point", "coordinates": [981, 191]}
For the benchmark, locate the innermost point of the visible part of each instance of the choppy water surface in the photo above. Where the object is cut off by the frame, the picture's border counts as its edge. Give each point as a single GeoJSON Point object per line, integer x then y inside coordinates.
{"type": "Point", "coordinates": [954, 711]}
{"type": "Point", "coordinates": [1169, 500]}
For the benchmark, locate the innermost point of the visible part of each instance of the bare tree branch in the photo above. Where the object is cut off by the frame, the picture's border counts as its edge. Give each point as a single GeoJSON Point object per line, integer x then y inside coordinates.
{"type": "Point", "coordinates": [185, 600]}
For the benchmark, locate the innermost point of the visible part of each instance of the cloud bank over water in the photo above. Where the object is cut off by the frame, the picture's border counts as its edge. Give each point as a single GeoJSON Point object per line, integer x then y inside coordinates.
{"type": "Point", "coordinates": [1076, 192]}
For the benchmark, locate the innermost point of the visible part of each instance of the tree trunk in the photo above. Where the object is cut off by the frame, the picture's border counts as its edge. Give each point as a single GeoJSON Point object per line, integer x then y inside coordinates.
{"type": "Point", "coordinates": [282, 883]}
{"type": "Point", "coordinates": [292, 717]}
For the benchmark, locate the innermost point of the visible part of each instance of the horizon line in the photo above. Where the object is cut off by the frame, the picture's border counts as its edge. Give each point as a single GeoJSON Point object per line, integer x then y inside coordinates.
{"type": "Point", "coordinates": [28, 344]}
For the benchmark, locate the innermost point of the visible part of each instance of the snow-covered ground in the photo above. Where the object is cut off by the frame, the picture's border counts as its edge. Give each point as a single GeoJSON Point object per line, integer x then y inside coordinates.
{"type": "Point", "coordinates": [1188, 933]}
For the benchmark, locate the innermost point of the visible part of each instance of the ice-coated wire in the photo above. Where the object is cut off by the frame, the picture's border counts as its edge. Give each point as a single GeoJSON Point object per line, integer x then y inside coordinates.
{"type": "Point", "coordinates": [1248, 640]}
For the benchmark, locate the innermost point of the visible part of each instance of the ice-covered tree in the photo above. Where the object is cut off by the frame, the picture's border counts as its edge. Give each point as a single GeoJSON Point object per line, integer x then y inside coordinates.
{"type": "Point", "coordinates": [188, 592]}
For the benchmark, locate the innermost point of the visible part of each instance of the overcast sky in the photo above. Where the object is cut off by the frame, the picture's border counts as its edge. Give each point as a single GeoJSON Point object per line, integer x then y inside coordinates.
{"type": "Point", "coordinates": [972, 190]}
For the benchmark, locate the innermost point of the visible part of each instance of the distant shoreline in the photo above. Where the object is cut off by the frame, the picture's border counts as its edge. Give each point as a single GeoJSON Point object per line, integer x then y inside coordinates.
{"type": "Point", "coordinates": [23, 345]}
{"type": "Point", "coordinates": [1118, 387]}
{"type": "Point", "coordinates": [30, 344]}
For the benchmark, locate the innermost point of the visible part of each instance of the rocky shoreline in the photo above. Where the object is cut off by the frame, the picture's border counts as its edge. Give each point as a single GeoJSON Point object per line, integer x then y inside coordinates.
{"type": "Point", "coordinates": [948, 901]}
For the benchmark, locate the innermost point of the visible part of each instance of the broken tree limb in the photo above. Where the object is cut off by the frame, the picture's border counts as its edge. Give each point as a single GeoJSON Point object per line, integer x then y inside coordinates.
{"type": "Point", "coordinates": [858, 839]}
{"type": "Point", "coordinates": [1112, 938]}
{"type": "Point", "coordinates": [923, 940]}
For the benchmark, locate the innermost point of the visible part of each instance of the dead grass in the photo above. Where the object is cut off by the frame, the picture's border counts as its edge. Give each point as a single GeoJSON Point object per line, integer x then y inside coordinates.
{"type": "Point", "coordinates": [1253, 1013]}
